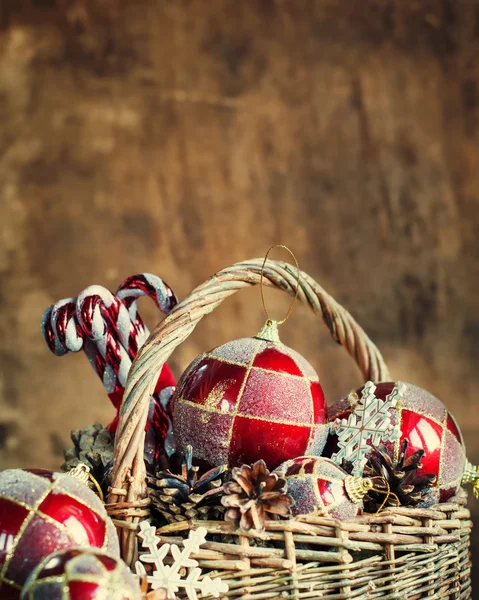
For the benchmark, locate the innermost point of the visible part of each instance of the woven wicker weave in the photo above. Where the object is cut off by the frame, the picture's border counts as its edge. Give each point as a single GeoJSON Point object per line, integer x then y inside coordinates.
{"type": "Point", "coordinates": [399, 554]}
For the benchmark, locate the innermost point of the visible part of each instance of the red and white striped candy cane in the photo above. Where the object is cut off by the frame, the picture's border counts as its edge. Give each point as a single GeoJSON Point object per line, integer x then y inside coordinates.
{"type": "Point", "coordinates": [104, 319]}
{"type": "Point", "coordinates": [136, 286]}
{"type": "Point", "coordinates": [110, 331]}
{"type": "Point", "coordinates": [61, 329]}
{"type": "Point", "coordinates": [63, 333]}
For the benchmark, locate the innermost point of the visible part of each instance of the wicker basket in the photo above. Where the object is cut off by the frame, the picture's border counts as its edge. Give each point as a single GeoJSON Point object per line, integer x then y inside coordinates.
{"type": "Point", "coordinates": [400, 554]}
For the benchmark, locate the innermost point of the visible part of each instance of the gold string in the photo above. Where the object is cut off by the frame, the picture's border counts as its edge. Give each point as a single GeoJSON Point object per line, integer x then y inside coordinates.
{"type": "Point", "coordinates": [97, 486]}
{"type": "Point", "coordinates": [297, 284]}
{"type": "Point", "coordinates": [388, 494]}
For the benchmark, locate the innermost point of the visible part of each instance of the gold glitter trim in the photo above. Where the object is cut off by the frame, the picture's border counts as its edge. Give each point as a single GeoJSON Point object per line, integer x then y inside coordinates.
{"type": "Point", "coordinates": [245, 366]}
{"type": "Point", "coordinates": [443, 424]}
{"type": "Point", "coordinates": [247, 416]}
{"type": "Point", "coordinates": [443, 443]}
{"type": "Point", "coordinates": [23, 527]}
{"type": "Point", "coordinates": [10, 582]}
{"type": "Point", "coordinates": [39, 513]}
{"type": "Point", "coordinates": [238, 399]}
{"type": "Point", "coordinates": [111, 579]}
{"type": "Point", "coordinates": [34, 511]}
{"type": "Point", "coordinates": [215, 397]}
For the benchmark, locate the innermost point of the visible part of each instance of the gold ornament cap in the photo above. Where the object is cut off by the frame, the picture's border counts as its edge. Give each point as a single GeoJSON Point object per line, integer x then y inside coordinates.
{"type": "Point", "coordinates": [471, 475]}
{"type": "Point", "coordinates": [80, 472]}
{"type": "Point", "coordinates": [357, 487]}
{"type": "Point", "coordinates": [269, 332]}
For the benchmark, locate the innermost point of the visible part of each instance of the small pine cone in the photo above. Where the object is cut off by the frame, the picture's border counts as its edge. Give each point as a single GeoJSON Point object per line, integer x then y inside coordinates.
{"type": "Point", "coordinates": [93, 446]}
{"type": "Point", "coordinates": [253, 495]}
{"type": "Point", "coordinates": [179, 497]}
{"type": "Point", "coordinates": [395, 483]}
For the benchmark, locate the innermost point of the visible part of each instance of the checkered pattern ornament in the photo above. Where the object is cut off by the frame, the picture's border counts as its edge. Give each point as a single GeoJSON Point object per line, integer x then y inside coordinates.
{"type": "Point", "coordinates": [420, 418]}
{"type": "Point", "coordinates": [250, 399]}
{"type": "Point", "coordinates": [81, 574]}
{"type": "Point", "coordinates": [40, 513]}
{"type": "Point", "coordinates": [320, 487]}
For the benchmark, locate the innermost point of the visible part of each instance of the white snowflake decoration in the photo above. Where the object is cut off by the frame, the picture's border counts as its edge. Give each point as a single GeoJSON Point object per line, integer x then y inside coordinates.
{"type": "Point", "coordinates": [368, 424]}
{"type": "Point", "coordinates": [169, 577]}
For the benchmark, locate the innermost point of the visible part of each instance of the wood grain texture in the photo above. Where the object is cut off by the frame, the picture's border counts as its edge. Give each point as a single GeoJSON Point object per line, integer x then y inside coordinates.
{"type": "Point", "coordinates": [178, 137]}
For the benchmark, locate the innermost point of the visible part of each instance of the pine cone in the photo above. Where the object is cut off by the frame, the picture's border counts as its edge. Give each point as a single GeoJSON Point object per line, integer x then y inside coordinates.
{"type": "Point", "coordinates": [406, 486]}
{"type": "Point", "coordinates": [255, 494]}
{"type": "Point", "coordinates": [179, 497]}
{"type": "Point", "coordinates": [93, 446]}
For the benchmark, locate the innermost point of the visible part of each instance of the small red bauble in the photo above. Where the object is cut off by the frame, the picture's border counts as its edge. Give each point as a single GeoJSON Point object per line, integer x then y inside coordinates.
{"type": "Point", "coordinates": [247, 400]}
{"type": "Point", "coordinates": [81, 574]}
{"type": "Point", "coordinates": [425, 422]}
{"type": "Point", "coordinates": [319, 487]}
{"type": "Point", "coordinates": [42, 512]}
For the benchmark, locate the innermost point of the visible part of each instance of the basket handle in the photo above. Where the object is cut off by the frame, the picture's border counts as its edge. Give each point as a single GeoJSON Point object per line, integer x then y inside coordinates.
{"type": "Point", "coordinates": [129, 470]}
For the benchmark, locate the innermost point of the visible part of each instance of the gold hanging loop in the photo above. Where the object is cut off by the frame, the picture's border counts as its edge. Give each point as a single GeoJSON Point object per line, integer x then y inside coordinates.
{"type": "Point", "coordinates": [262, 287]}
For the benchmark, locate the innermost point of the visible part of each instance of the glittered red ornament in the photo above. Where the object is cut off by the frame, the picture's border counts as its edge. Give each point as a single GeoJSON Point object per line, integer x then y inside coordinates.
{"type": "Point", "coordinates": [319, 487]}
{"type": "Point", "coordinates": [250, 399]}
{"type": "Point", "coordinates": [81, 574]}
{"type": "Point", "coordinates": [425, 422]}
{"type": "Point", "coordinates": [42, 512]}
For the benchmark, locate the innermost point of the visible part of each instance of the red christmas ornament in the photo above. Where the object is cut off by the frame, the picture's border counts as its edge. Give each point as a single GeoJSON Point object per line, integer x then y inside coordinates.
{"type": "Point", "coordinates": [42, 512]}
{"type": "Point", "coordinates": [319, 487]}
{"type": "Point", "coordinates": [425, 422]}
{"type": "Point", "coordinates": [250, 399]}
{"type": "Point", "coordinates": [81, 574]}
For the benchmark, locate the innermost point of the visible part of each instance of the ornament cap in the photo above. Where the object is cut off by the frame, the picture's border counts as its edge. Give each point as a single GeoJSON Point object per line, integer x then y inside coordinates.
{"type": "Point", "coordinates": [80, 472]}
{"type": "Point", "coordinates": [269, 332]}
{"type": "Point", "coordinates": [471, 475]}
{"type": "Point", "coordinates": [357, 487]}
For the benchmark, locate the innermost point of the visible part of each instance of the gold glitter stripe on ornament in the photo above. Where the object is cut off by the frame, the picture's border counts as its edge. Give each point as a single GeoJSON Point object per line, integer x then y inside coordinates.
{"type": "Point", "coordinates": [238, 399]}
{"type": "Point", "coordinates": [286, 375]}
{"type": "Point", "coordinates": [312, 430]}
{"type": "Point", "coordinates": [79, 500]}
{"type": "Point", "coordinates": [39, 582]}
{"type": "Point", "coordinates": [23, 527]}
{"type": "Point", "coordinates": [10, 582]}
{"type": "Point", "coordinates": [443, 444]}
{"type": "Point", "coordinates": [316, 476]}
{"type": "Point", "coordinates": [245, 416]}
{"type": "Point", "coordinates": [215, 397]}
{"type": "Point", "coordinates": [75, 577]}
{"type": "Point", "coordinates": [256, 368]}
{"type": "Point", "coordinates": [41, 514]}
{"type": "Point", "coordinates": [111, 579]}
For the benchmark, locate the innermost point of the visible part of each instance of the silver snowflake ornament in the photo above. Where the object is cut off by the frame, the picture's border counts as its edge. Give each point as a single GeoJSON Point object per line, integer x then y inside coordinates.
{"type": "Point", "coordinates": [170, 577]}
{"type": "Point", "coordinates": [368, 425]}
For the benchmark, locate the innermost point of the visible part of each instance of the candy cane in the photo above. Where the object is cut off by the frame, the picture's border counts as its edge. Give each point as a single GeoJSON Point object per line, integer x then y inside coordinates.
{"type": "Point", "coordinates": [106, 322]}
{"type": "Point", "coordinates": [135, 287]}
{"type": "Point", "coordinates": [110, 331]}
{"type": "Point", "coordinates": [60, 328]}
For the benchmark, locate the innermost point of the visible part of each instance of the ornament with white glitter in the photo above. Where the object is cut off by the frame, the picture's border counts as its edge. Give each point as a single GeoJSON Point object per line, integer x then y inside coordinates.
{"type": "Point", "coordinates": [251, 399]}
{"type": "Point", "coordinates": [389, 413]}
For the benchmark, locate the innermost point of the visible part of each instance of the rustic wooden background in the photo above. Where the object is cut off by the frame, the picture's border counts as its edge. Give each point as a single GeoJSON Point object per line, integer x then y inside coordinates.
{"type": "Point", "coordinates": [179, 136]}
